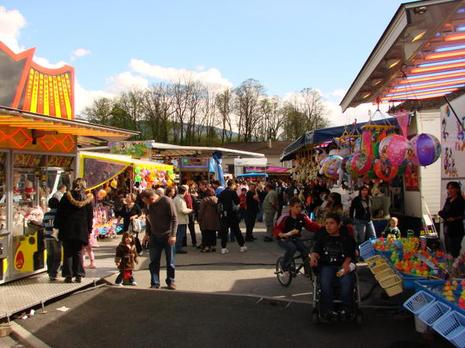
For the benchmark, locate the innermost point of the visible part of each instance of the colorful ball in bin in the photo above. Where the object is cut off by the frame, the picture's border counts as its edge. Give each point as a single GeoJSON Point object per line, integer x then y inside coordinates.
{"type": "Point", "coordinates": [385, 170]}
{"type": "Point", "coordinates": [394, 148]}
{"type": "Point", "coordinates": [427, 148]}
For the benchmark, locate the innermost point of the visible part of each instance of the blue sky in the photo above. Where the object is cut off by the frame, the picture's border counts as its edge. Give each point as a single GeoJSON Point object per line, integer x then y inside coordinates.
{"type": "Point", "coordinates": [286, 45]}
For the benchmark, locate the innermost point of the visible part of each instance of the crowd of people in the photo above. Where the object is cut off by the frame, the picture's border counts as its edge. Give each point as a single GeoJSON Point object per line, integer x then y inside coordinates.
{"type": "Point", "coordinates": [167, 215]}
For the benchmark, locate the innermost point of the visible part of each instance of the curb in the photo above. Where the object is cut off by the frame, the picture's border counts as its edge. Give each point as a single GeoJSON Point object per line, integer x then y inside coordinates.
{"type": "Point", "coordinates": [26, 337]}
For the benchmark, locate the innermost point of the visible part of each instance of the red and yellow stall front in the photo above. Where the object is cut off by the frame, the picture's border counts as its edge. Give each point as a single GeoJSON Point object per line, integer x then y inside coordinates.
{"type": "Point", "coordinates": [39, 138]}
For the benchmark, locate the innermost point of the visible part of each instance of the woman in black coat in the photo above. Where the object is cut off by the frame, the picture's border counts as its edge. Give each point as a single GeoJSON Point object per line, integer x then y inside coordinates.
{"type": "Point", "coordinates": [453, 213]}
{"type": "Point", "coordinates": [74, 220]}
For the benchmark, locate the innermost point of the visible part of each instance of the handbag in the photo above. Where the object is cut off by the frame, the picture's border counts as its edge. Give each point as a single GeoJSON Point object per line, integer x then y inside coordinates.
{"type": "Point", "coordinates": [136, 225]}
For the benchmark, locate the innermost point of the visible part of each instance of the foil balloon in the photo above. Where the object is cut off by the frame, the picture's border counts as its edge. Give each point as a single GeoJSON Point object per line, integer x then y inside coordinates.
{"type": "Point", "coordinates": [427, 148]}
{"type": "Point", "coordinates": [394, 148]}
{"type": "Point", "coordinates": [101, 194]}
{"type": "Point", "coordinates": [366, 146]}
{"type": "Point", "coordinates": [361, 164]}
{"type": "Point", "coordinates": [385, 170]}
{"type": "Point", "coordinates": [330, 166]}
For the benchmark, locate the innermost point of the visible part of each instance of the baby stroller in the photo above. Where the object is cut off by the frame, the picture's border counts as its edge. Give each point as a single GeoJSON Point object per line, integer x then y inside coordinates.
{"type": "Point", "coordinates": [356, 316]}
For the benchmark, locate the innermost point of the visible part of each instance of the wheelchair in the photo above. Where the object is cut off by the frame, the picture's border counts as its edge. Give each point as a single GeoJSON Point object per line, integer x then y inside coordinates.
{"type": "Point", "coordinates": [357, 315]}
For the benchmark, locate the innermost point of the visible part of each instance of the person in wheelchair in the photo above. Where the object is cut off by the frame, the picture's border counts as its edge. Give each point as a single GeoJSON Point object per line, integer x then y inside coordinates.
{"type": "Point", "coordinates": [288, 231]}
{"type": "Point", "coordinates": [332, 256]}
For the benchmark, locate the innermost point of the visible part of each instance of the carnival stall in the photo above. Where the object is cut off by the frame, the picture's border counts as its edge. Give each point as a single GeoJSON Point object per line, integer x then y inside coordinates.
{"type": "Point", "coordinates": [417, 66]}
{"type": "Point", "coordinates": [39, 137]}
{"type": "Point", "coordinates": [111, 177]}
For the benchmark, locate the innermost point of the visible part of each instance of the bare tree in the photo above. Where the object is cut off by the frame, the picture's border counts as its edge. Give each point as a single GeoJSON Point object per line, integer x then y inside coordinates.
{"type": "Point", "coordinates": [223, 102]}
{"type": "Point", "coordinates": [271, 120]}
{"type": "Point", "coordinates": [158, 103]}
{"type": "Point", "coordinates": [248, 107]}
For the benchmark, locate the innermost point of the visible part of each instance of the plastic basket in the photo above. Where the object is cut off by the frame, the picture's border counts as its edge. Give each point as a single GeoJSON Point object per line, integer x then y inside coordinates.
{"type": "Point", "coordinates": [418, 302]}
{"type": "Point", "coordinates": [384, 274]}
{"type": "Point", "coordinates": [389, 281]}
{"type": "Point", "coordinates": [452, 327]}
{"type": "Point", "coordinates": [367, 250]}
{"type": "Point", "coordinates": [394, 290]}
{"type": "Point", "coordinates": [433, 312]}
{"type": "Point", "coordinates": [380, 268]}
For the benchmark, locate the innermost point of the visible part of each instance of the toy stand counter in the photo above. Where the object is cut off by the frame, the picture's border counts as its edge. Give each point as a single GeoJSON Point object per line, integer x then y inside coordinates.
{"type": "Point", "coordinates": [406, 257]}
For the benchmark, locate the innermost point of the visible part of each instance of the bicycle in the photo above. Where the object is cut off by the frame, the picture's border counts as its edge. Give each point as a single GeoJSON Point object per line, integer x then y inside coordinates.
{"type": "Point", "coordinates": [285, 277]}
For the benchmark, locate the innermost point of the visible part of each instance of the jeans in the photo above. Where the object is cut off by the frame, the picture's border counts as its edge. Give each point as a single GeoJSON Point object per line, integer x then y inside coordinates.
{"type": "Point", "coordinates": [328, 280]}
{"type": "Point", "coordinates": [156, 247]}
{"type": "Point", "coordinates": [233, 224]}
{"type": "Point", "coordinates": [250, 218]}
{"type": "Point", "coordinates": [72, 259]}
{"type": "Point", "coordinates": [292, 246]}
{"type": "Point", "coordinates": [453, 243]}
{"type": "Point", "coordinates": [269, 223]}
{"type": "Point", "coordinates": [180, 235]}
{"type": "Point", "coordinates": [364, 230]}
{"type": "Point", "coordinates": [53, 256]}
{"type": "Point", "coordinates": [260, 212]}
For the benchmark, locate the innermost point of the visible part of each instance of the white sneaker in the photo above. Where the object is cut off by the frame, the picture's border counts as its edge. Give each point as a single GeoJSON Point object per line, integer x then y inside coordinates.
{"type": "Point", "coordinates": [224, 251]}
{"type": "Point", "coordinates": [134, 284]}
{"type": "Point", "coordinates": [243, 249]}
{"type": "Point", "coordinates": [118, 284]}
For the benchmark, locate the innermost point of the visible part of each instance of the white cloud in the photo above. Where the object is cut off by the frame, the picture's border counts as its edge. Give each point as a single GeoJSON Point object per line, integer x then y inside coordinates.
{"type": "Point", "coordinates": [338, 93]}
{"type": "Point", "coordinates": [211, 77]}
{"type": "Point", "coordinates": [85, 97]}
{"type": "Point", "coordinates": [126, 81]}
{"type": "Point", "coordinates": [11, 23]}
{"type": "Point", "coordinates": [47, 64]}
{"type": "Point", "coordinates": [80, 52]}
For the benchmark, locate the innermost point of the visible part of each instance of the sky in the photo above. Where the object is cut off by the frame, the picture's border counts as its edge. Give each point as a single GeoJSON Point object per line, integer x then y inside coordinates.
{"type": "Point", "coordinates": [286, 45]}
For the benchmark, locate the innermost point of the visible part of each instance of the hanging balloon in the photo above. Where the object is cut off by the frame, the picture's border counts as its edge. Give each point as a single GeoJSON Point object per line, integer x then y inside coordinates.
{"type": "Point", "coordinates": [385, 170]}
{"type": "Point", "coordinates": [138, 178]}
{"type": "Point", "coordinates": [358, 145]}
{"type": "Point", "coordinates": [427, 148]}
{"type": "Point", "coordinates": [361, 164]}
{"type": "Point", "coordinates": [394, 148]}
{"type": "Point", "coordinates": [108, 189]}
{"type": "Point", "coordinates": [367, 143]}
{"type": "Point", "coordinates": [330, 166]}
{"type": "Point", "coordinates": [101, 194]}
{"type": "Point", "coordinates": [137, 170]}
{"type": "Point", "coordinates": [114, 183]}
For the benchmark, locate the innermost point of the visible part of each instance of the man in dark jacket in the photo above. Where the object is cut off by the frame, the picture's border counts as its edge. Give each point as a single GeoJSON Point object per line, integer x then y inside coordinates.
{"type": "Point", "coordinates": [160, 234]}
{"type": "Point", "coordinates": [74, 220]}
{"type": "Point", "coordinates": [252, 208]}
{"type": "Point", "coordinates": [228, 202]}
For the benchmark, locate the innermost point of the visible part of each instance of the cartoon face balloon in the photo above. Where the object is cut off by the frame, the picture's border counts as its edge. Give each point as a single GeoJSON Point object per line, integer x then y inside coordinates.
{"type": "Point", "coordinates": [330, 166]}
{"type": "Point", "coordinates": [394, 148]}
{"type": "Point", "coordinates": [361, 164]}
{"type": "Point", "coordinates": [427, 148]}
{"type": "Point", "coordinates": [385, 170]}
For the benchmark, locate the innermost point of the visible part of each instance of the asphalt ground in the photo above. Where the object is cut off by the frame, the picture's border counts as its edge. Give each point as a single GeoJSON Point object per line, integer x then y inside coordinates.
{"type": "Point", "coordinates": [125, 317]}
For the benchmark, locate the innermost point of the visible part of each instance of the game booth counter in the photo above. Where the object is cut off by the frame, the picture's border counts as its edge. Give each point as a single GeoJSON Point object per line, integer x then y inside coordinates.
{"type": "Point", "coordinates": [111, 177]}
{"type": "Point", "coordinates": [417, 67]}
{"type": "Point", "coordinates": [39, 138]}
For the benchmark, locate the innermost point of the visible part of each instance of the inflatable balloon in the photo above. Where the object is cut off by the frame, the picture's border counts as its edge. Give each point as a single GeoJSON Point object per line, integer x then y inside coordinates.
{"type": "Point", "coordinates": [410, 156]}
{"type": "Point", "coordinates": [331, 166]}
{"type": "Point", "coordinates": [385, 170]}
{"type": "Point", "coordinates": [394, 148]}
{"type": "Point", "coordinates": [138, 178]}
{"type": "Point", "coordinates": [366, 146]}
{"type": "Point", "coordinates": [137, 170]}
{"type": "Point", "coordinates": [427, 148]}
{"type": "Point", "coordinates": [108, 189]}
{"type": "Point", "coordinates": [101, 194]}
{"type": "Point", "coordinates": [361, 164]}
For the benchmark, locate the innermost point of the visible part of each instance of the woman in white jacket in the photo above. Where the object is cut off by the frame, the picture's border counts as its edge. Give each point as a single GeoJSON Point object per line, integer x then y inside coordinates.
{"type": "Point", "coordinates": [183, 218]}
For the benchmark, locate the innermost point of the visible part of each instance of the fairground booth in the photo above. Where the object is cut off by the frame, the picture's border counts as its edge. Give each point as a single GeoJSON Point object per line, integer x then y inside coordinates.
{"type": "Point", "coordinates": [192, 163]}
{"type": "Point", "coordinates": [39, 138]}
{"type": "Point", "coordinates": [418, 68]}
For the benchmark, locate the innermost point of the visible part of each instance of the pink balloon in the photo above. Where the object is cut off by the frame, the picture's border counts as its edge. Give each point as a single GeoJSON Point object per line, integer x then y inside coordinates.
{"type": "Point", "coordinates": [393, 148]}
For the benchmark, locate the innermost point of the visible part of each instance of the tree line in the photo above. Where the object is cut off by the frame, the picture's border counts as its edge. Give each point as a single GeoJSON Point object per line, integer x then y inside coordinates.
{"type": "Point", "coordinates": [190, 113]}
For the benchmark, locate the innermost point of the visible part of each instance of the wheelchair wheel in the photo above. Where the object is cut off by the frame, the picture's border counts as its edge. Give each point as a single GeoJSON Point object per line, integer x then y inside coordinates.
{"type": "Point", "coordinates": [284, 278]}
